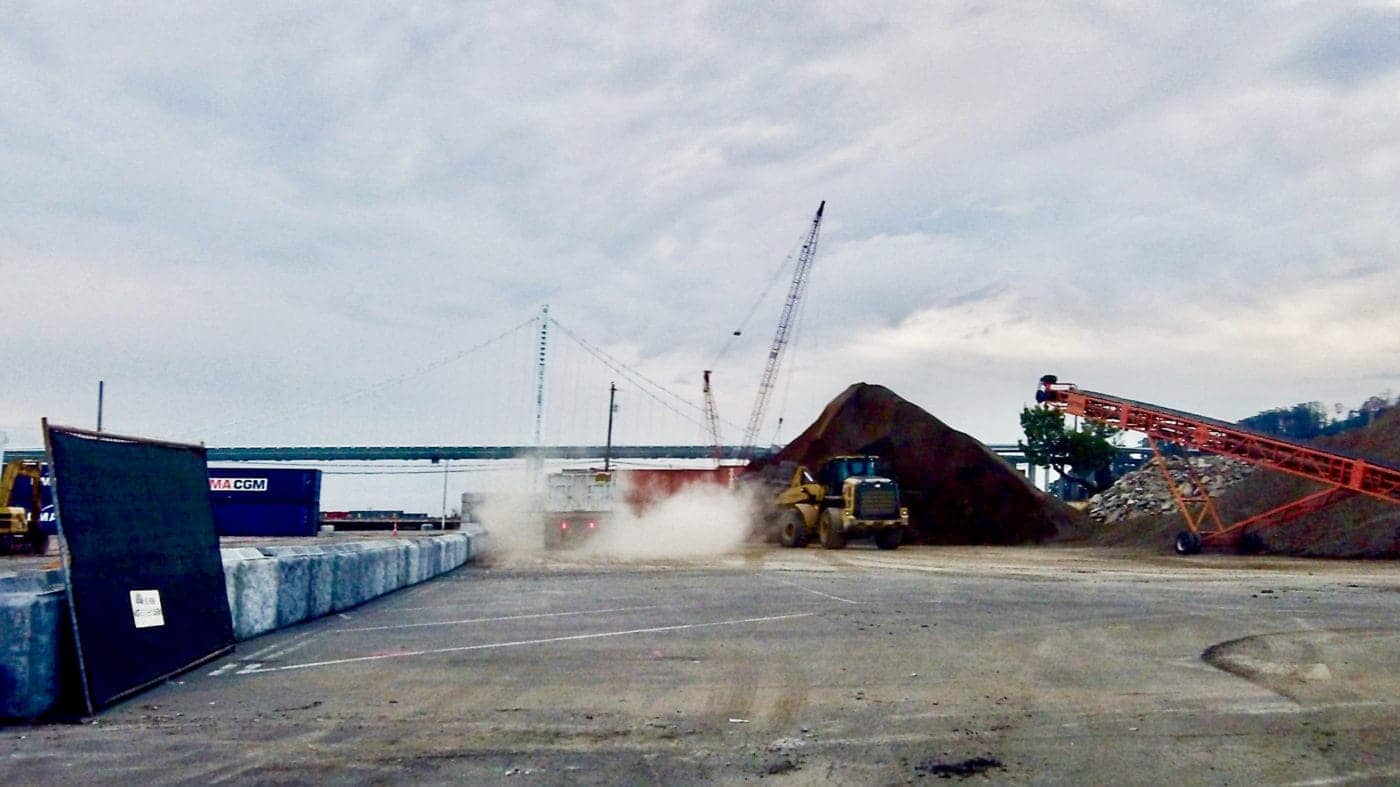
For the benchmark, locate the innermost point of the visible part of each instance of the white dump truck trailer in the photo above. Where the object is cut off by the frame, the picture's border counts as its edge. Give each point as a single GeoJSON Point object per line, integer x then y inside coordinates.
{"type": "Point", "coordinates": [577, 505]}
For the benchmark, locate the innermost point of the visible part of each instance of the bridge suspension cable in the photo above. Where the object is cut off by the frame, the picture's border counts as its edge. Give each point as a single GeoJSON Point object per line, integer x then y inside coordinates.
{"type": "Point", "coordinates": [431, 366]}
{"type": "Point", "coordinates": [637, 378]}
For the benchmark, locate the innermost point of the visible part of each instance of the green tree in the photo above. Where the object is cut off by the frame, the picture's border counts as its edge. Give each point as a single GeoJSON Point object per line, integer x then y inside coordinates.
{"type": "Point", "coordinates": [1302, 421]}
{"type": "Point", "coordinates": [1082, 456]}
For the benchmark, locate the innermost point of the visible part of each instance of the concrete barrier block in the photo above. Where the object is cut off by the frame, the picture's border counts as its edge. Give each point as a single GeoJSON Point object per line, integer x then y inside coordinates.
{"type": "Point", "coordinates": [251, 582]}
{"type": "Point", "coordinates": [478, 540]}
{"type": "Point", "coordinates": [293, 589]}
{"type": "Point", "coordinates": [439, 556]}
{"type": "Point", "coordinates": [32, 626]}
{"type": "Point", "coordinates": [378, 569]}
{"type": "Point", "coordinates": [425, 558]}
{"type": "Point", "coordinates": [351, 582]}
{"type": "Point", "coordinates": [316, 589]}
{"type": "Point", "coordinates": [31, 581]}
{"type": "Point", "coordinates": [401, 575]}
{"type": "Point", "coordinates": [414, 561]}
{"type": "Point", "coordinates": [424, 548]}
{"type": "Point", "coordinates": [322, 583]}
{"type": "Point", "coordinates": [390, 551]}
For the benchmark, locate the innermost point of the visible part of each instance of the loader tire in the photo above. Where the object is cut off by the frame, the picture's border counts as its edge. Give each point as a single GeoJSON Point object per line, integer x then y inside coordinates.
{"type": "Point", "coordinates": [889, 539]}
{"type": "Point", "coordinates": [792, 530]}
{"type": "Point", "coordinates": [829, 531]}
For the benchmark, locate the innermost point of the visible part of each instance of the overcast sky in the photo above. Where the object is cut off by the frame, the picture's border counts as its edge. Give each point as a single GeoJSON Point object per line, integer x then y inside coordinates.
{"type": "Point", "coordinates": [283, 226]}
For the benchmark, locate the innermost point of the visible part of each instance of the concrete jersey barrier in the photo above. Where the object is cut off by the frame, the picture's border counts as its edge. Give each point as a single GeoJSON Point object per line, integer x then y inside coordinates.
{"type": "Point", "coordinates": [268, 588]}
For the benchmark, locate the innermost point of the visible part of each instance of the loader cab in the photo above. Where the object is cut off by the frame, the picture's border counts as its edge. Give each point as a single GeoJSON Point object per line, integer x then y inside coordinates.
{"type": "Point", "coordinates": [837, 470]}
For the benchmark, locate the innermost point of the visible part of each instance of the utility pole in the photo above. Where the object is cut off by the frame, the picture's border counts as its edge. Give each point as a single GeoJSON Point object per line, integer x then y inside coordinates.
{"type": "Point", "coordinates": [446, 463]}
{"type": "Point", "coordinates": [612, 408]}
{"type": "Point", "coordinates": [100, 385]}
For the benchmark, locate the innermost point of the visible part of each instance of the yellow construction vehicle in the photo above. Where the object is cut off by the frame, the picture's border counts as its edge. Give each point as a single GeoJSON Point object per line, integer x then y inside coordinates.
{"type": "Point", "coordinates": [19, 525]}
{"type": "Point", "coordinates": [849, 498]}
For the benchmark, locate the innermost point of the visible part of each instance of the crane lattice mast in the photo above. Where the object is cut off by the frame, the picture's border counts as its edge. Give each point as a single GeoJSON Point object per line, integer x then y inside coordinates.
{"type": "Point", "coordinates": [780, 338]}
{"type": "Point", "coordinates": [712, 419]}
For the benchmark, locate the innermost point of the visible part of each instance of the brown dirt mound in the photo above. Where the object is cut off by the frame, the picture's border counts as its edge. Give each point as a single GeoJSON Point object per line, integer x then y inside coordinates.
{"type": "Point", "coordinates": [958, 490]}
{"type": "Point", "coordinates": [1358, 527]}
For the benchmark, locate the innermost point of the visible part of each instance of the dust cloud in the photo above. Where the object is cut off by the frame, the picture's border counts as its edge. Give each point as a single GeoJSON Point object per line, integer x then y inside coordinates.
{"type": "Point", "coordinates": [512, 521]}
{"type": "Point", "coordinates": [699, 520]}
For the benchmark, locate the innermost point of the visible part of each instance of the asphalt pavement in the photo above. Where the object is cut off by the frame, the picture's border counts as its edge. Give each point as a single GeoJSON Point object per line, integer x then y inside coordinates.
{"type": "Point", "coordinates": [799, 666]}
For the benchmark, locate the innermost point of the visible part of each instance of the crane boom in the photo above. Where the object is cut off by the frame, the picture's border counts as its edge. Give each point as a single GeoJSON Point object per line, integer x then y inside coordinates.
{"type": "Point", "coordinates": [780, 337]}
{"type": "Point", "coordinates": [712, 419]}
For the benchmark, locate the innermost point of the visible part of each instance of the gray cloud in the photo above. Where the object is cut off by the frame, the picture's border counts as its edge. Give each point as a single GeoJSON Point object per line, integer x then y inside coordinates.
{"type": "Point", "coordinates": [236, 214]}
{"type": "Point", "coordinates": [1358, 46]}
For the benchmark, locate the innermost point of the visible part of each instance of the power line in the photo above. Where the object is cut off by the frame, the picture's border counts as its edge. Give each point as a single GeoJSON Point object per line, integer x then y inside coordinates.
{"type": "Point", "coordinates": [762, 296]}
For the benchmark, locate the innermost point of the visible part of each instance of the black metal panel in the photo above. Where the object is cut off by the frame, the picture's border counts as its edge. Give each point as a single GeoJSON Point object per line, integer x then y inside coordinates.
{"type": "Point", "coordinates": [135, 516]}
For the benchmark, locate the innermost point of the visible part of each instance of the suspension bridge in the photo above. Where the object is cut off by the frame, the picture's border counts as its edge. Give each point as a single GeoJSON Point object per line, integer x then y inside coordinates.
{"type": "Point", "coordinates": [482, 396]}
{"type": "Point", "coordinates": [569, 381]}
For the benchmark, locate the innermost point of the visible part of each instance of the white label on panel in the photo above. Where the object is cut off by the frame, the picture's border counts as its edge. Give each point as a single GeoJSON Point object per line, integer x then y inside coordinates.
{"type": "Point", "coordinates": [145, 608]}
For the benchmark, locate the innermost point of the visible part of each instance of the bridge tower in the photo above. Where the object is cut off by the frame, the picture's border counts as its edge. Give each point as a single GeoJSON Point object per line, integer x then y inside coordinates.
{"type": "Point", "coordinates": [537, 460]}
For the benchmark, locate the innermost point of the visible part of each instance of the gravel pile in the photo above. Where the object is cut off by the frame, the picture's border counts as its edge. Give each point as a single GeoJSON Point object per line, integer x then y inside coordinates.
{"type": "Point", "coordinates": [1144, 491]}
{"type": "Point", "coordinates": [958, 491]}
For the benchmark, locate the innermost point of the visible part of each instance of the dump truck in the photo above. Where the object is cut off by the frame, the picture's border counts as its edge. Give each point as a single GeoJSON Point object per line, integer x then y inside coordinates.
{"type": "Point", "coordinates": [848, 498]}
{"type": "Point", "coordinates": [577, 504]}
{"type": "Point", "coordinates": [19, 524]}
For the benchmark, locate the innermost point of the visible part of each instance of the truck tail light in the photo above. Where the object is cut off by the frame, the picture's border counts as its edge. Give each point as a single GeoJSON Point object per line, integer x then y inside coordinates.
{"type": "Point", "coordinates": [563, 525]}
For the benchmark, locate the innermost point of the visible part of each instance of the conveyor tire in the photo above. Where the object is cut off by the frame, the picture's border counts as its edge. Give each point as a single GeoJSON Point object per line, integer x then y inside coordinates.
{"type": "Point", "coordinates": [1250, 544]}
{"type": "Point", "coordinates": [1187, 543]}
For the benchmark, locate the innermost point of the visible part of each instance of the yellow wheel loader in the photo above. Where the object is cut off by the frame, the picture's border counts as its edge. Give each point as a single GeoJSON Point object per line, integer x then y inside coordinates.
{"type": "Point", "coordinates": [19, 525]}
{"type": "Point", "coordinates": [849, 498]}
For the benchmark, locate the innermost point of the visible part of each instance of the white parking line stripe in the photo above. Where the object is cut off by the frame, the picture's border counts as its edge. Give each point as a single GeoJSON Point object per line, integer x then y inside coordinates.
{"type": "Point", "coordinates": [260, 653]}
{"type": "Point", "coordinates": [1353, 776]}
{"type": "Point", "coordinates": [258, 668]}
{"type": "Point", "coordinates": [274, 646]}
{"type": "Point", "coordinates": [813, 592]}
{"type": "Point", "coordinates": [225, 668]}
{"type": "Point", "coordinates": [250, 668]}
{"type": "Point", "coordinates": [277, 654]}
{"type": "Point", "coordinates": [494, 620]}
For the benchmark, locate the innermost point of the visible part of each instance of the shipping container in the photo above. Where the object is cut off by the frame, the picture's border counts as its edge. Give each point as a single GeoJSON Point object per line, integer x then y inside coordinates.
{"type": "Point", "coordinates": [647, 487]}
{"type": "Point", "coordinates": [279, 501]}
{"type": "Point", "coordinates": [265, 485]}
{"type": "Point", "coordinates": [266, 519]}
{"type": "Point", "coordinates": [374, 513]}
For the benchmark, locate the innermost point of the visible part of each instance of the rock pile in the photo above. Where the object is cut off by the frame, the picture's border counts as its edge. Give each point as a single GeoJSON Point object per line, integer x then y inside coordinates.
{"type": "Point", "coordinates": [1144, 491]}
